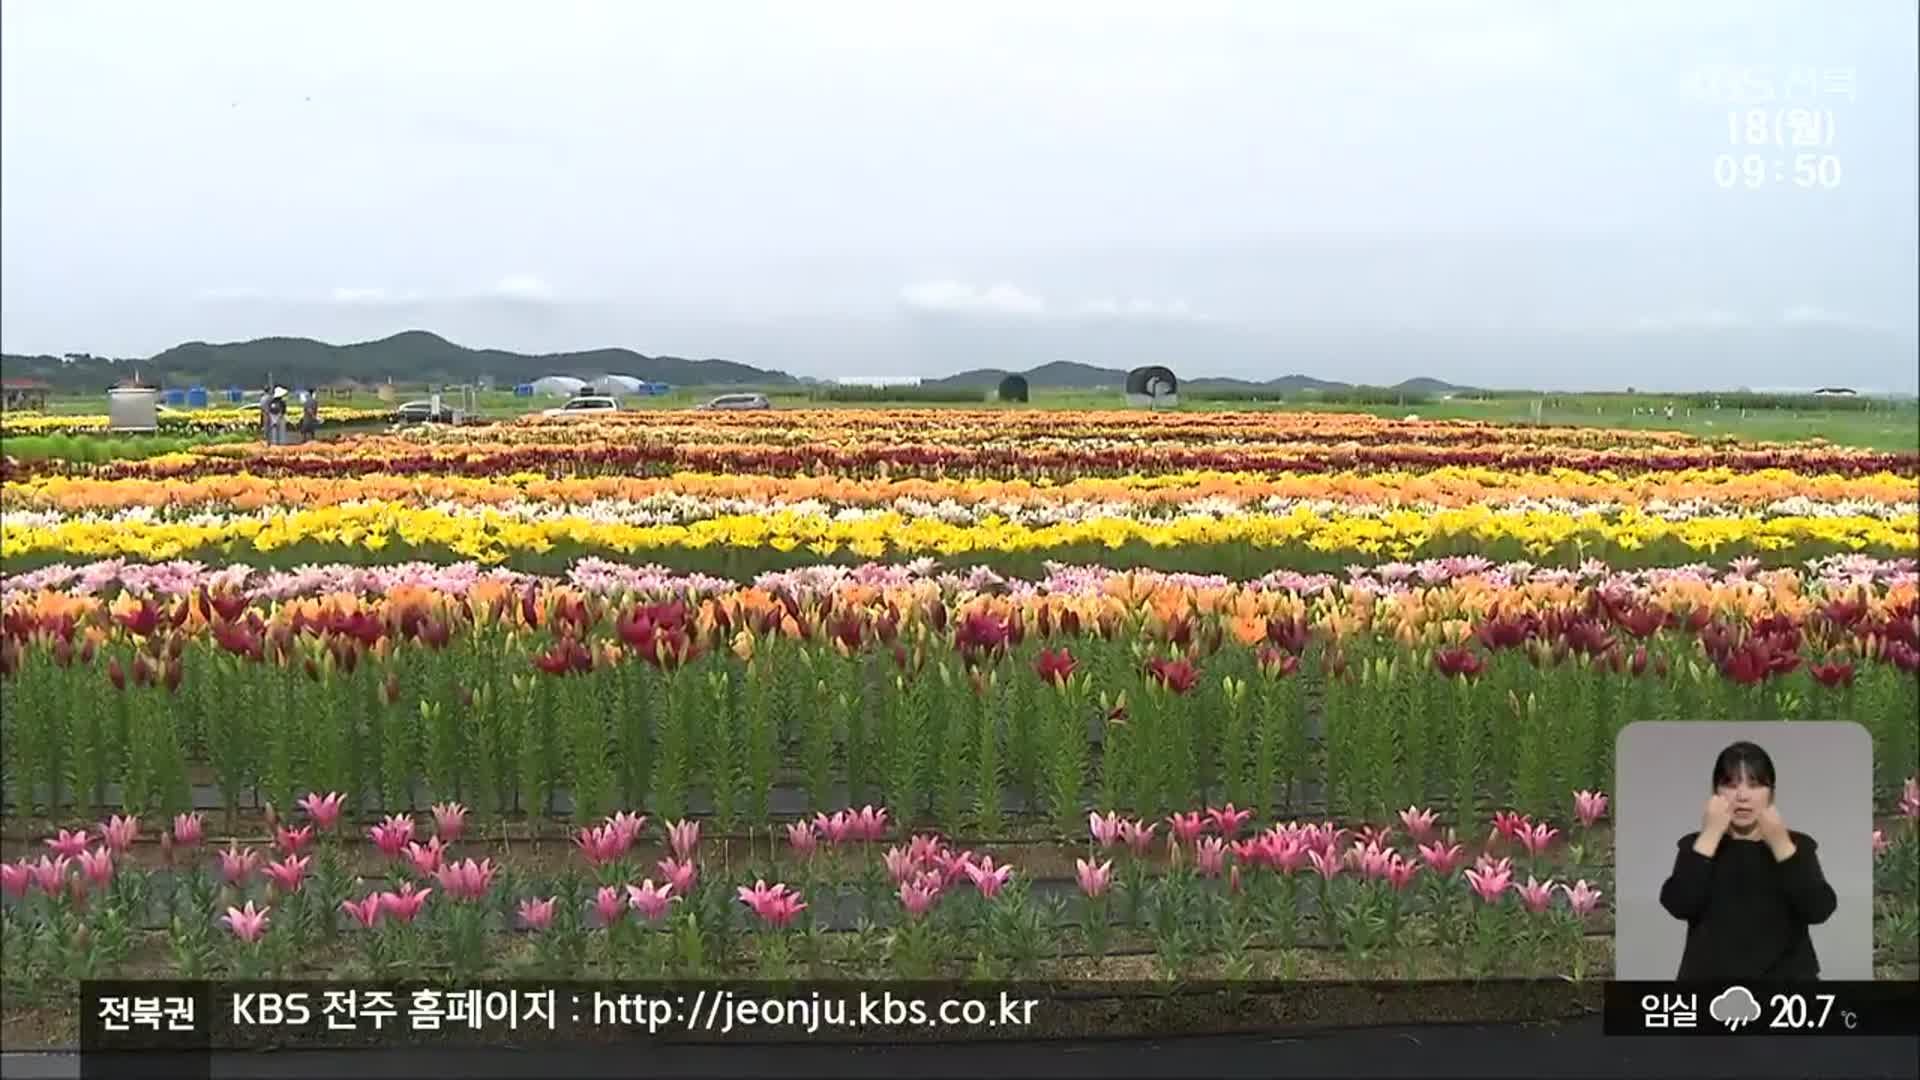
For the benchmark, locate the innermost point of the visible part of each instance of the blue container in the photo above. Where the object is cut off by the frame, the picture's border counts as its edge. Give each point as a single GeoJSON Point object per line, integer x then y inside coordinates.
{"type": "Point", "coordinates": [176, 397]}
{"type": "Point", "coordinates": [525, 389]}
{"type": "Point", "coordinates": [236, 395]}
{"type": "Point", "coordinates": [196, 397]}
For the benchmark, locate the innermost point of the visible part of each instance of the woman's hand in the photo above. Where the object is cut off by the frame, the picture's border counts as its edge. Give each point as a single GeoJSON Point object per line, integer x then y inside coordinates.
{"type": "Point", "coordinates": [1714, 820]}
{"type": "Point", "coordinates": [1773, 829]}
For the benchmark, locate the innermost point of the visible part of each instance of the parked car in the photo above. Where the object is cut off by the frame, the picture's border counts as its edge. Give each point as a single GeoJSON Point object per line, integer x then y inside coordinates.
{"type": "Point", "coordinates": [421, 412]}
{"type": "Point", "coordinates": [739, 401]}
{"type": "Point", "coordinates": [586, 405]}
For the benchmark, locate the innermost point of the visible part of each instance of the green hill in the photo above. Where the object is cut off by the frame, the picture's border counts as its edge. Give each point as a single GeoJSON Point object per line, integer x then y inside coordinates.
{"type": "Point", "coordinates": [413, 357]}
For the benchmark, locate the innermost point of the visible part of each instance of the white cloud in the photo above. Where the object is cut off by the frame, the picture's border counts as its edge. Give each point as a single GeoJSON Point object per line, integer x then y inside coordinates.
{"type": "Point", "coordinates": [1709, 318]}
{"type": "Point", "coordinates": [359, 295]}
{"type": "Point", "coordinates": [959, 297]}
{"type": "Point", "coordinates": [523, 287]}
{"type": "Point", "coordinates": [1806, 314]}
{"type": "Point", "coordinates": [1488, 49]}
{"type": "Point", "coordinates": [231, 292]}
{"type": "Point", "coordinates": [962, 298]}
{"type": "Point", "coordinates": [1136, 308]}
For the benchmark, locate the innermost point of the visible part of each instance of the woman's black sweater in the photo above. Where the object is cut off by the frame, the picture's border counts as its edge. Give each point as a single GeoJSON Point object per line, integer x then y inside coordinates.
{"type": "Point", "coordinates": [1747, 913]}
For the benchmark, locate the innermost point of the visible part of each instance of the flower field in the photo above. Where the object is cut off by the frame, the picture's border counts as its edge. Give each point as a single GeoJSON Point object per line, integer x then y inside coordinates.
{"type": "Point", "coordinates": [920, 691]}
{"type": "Point", "coordinates": [741, 494]}
{"type": "Point", "coordinates": [214, 421]}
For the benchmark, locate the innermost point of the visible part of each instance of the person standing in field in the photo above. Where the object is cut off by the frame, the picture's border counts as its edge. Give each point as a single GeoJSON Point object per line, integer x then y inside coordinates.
{"type": "Point", "coordinates": [277, 416]}
{"type": "Point", "coordinates": [310, 416]}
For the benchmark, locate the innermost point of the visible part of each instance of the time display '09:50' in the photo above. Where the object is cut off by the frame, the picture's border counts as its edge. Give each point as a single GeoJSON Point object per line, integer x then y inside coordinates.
{"type": "Point", "coordinates": [1758, 170]}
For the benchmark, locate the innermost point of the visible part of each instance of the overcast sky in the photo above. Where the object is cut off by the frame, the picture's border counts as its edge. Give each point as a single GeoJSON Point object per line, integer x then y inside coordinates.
{"type": "Point", "coordinates": [1517, 193]}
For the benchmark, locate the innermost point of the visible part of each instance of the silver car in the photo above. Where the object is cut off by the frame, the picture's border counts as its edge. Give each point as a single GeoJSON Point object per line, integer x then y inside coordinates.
{"type": "Point", "coordinates": [739, 401]}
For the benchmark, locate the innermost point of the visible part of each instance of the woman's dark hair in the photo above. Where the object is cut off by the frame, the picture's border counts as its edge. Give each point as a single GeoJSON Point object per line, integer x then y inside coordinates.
{"type": "Point", "coordinates": [1743, 758]}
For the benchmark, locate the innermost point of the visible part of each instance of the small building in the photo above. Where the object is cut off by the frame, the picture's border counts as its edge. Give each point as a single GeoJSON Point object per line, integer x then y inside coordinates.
{"type": "Point", "coordinates": [1835, 391]}
{"type": "Point", "coordinates": [24, 394]}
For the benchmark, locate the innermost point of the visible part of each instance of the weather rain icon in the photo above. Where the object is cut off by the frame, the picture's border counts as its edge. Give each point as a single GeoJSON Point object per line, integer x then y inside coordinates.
{"type": "Point", "coordinates": [1735, 1006]}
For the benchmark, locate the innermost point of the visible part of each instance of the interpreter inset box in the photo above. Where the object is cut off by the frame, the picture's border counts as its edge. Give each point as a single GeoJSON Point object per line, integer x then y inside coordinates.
{"type": "Point", "coordinates": [1743, 850]}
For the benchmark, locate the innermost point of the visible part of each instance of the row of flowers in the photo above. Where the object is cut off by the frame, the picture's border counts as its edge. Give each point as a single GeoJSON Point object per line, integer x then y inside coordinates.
{"type": "Point", "coordinates": [1697, 585]}
{"type": "Point", "coordinates": [978, 709]}
{"type": "Point", "coordinates": [1218, 891]}
{"type": "Point", "coordinates": [210, 421]}
{"type": "Point", "coordinates": [489, 535]}
{"type": "Point", "coordinates": [1656, 493]}
{"type": "Point", "coordinates": [673, 508]}
{"type": "Point", "coordinates": [483, 455]}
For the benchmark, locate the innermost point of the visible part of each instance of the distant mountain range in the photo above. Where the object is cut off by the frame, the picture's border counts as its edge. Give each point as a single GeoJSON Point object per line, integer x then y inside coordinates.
{"type": "Point", "coordinates": [413, 357]}
{"type": "Point", "coordinates": [1071, 376]}
{"type": "Point", "coordinates": [417, 356]}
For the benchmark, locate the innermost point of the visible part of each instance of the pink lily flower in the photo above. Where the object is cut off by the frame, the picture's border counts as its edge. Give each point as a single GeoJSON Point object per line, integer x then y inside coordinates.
{"type": "Point", "coordinates": [870, 823]}
{"type": "Point", "coordinates": [365, 911]}
{"type": "Point", "coordinates": [609, 905]}
{"type": "Point", "coordinates": [1443, 857]}
{"type": "Point", "coordinates": [97, 867]}
{"type": "Point", "coordinates": [324, 809]}
{"type": "Point", "coordinates": [601, 844]}
{"type": "Point", "coordinates": [16, 878]}
{"type": "Point", "coordinates": [288, 874]}
{"type": "Point", "coordinates": [1419, 823]}
{"type": "Point", "coordinates": [1582, 897]}
{"type": "Point", "coordinates": [988, 878]}
{"type": "Point", "coordinates": [684, 838]}
{"type": "Point", "coordinates": [1228, 821]}
{"type": "Point", "coordinates": [1589, 807]}
{"type": "Point", "coordinates": [449, 821]}
{"type": "Point", "coordinates": [1187, 827]}
{"type": "Point", "coordinates": [650, 901]}
{"type": "Point", "coordinates": [69, 845]}
{"type": "Point", "coordinates": [1093, 880]}
{"type": "Point", "coordinates": [426, 858]}
{"type": "Point", "coordinates": [237, 864]}
{"type": "Point", "coordinates": [392, 835]}
{"type": "Point", "coordinates": [293, 841]}
{"type": "Point", "coordinates": [837, 828]}
{"type": "Point", "coordinates": [466, 880]}
{"type": "Point", "coordinates": [1401, 871]}
{"type": "Point", "coordinates": [404, 905]}
{"type": "Point", "coordinates": [803, 839]}
{"type": "Point", "coordinates": [1489, 882]}
{"type": "Point", "coordinates": [1326, 864]}
{"type": "Point", "coordinates": [246, 923]}
{"type": "Point", "coordinates": [188, 829]}
{"type": "Point", "coordinates": [537, 914]}
{"type": "Point", "coordinates": [1537, 838]}
{"type": "Point", "coordinates": [50, 875]}
{"type": "Point", "coordinates": [1536, 896]}
{"type": "Point", "coordinates": [679, 874]}
{"type": "Point", "coordinates": [1104, 827]}
{"type": "Point", "coordinates": [776, 906]}
{"type": "Point", "coordinates": [119, 833]}
{"type": "Point", "coordinates": [1138, 836]}
{"type": "Point", "coordinates": [918, 895]}
{"type": "Point", "coordinates": [1210, 857]}
{"type": "Point", "coordinates": [628, 826]}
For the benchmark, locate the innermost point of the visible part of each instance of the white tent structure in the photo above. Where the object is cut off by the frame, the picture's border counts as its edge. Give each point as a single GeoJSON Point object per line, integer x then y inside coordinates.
{"type": "Point", "coordinates": [616, 385]}
{"type": "Point", "coordinates": [558, 386]}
